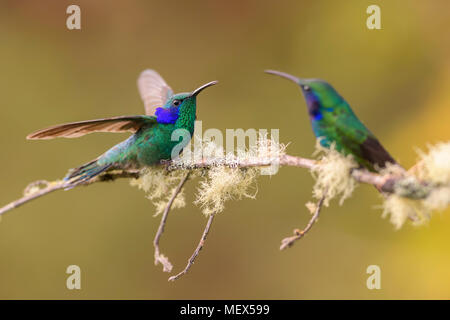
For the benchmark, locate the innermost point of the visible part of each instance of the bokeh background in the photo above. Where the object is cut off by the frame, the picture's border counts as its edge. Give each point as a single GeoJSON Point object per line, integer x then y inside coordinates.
{"type": "Point", "coordinates": [397, 80]}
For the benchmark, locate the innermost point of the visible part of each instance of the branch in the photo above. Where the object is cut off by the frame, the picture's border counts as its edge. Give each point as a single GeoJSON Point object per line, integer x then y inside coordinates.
{"type": "Point", "coordinates": [159, 258]}
{"type": "Point", "coordinates": [390, 184]}
{"type": "Point", "coordinates": [298, 234]}
{"type": "Point", "coordinates": [197, 250]}
{"type": "Point", "coordinates": [404, 186]}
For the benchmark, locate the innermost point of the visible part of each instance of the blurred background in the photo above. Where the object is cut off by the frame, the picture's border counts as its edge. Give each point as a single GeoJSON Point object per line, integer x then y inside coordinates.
{"type": "Point", "coordinates": [396, 79]}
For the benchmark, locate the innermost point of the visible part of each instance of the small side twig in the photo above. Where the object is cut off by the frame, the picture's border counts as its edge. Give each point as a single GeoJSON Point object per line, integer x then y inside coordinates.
{"type": "Point", "coordinates": [160, 258]}
{"type": "Point", "coordinates": [197, 250]}
{"type": "Point", "coordinates": [298, 234]}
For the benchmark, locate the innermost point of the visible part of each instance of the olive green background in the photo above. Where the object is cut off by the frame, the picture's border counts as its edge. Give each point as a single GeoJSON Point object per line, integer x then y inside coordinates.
{"type": "Point", "coordinates": [396, 79]}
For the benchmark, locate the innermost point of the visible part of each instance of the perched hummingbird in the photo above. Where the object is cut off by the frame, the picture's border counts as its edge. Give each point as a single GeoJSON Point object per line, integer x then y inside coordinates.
{"type": "Point", "coordinates": [333, 121]}
{"type": "Point", "coordinates": [151, 140]}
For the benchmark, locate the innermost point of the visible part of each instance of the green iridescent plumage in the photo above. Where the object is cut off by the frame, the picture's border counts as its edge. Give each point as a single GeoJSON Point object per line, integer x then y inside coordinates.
{"type": "Point", "coordinates": [334, 122]}
{"type": "Point", "coordinates": [169, 122]}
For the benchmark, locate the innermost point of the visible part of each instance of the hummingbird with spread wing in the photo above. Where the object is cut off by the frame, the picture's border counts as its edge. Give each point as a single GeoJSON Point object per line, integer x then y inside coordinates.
{"type": "Point", "coordinates": [334, 122]}
{"type": "Point", "coordinates": [151, 140]}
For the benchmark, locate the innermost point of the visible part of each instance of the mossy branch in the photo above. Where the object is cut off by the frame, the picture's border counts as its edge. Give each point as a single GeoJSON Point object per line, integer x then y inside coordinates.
{"type": "Point", "coordinates": [405, 186]}
{"type": "Point", "coordinates": [408, 194]}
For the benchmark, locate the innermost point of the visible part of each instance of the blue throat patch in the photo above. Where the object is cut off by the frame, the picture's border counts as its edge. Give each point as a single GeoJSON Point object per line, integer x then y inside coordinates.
{"type": "Point", "coordinates": [315, 108]}
{"type": "Point", "coordinates": [166, 115]}
{"type": "Point", "coordinates": [317, 115]}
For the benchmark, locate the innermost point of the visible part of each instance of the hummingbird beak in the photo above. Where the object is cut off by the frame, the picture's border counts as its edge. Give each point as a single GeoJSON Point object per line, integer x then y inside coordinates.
{"type": "Point", "coordinates": [285, 75]}
{"type": "Point", "coordinates": [200, 89]}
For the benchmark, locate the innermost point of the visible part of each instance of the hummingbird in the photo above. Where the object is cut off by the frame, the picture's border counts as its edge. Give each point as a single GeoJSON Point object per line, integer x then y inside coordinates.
{"type": "Point", "coordinates": [151, 140]}
{"type": "Point", "coordinates": [333, 122]}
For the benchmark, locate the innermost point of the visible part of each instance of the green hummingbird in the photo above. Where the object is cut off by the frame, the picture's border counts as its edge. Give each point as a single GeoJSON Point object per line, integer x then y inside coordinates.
{"type": "Point", "coordinates": [151, 140]}
{"type": "Point", "coordinates": [333, 121]}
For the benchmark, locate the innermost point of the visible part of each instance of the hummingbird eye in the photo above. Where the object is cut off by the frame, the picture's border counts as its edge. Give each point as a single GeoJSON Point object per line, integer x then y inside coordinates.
{"type": "Point", "coordinates": [176, 103]}
{"type": "Point", "coordinates": [306, 88]}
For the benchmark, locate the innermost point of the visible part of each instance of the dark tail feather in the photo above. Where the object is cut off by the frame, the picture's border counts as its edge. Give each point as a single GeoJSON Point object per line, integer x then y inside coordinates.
{"type": "Point", "coordinates": [85, 173]}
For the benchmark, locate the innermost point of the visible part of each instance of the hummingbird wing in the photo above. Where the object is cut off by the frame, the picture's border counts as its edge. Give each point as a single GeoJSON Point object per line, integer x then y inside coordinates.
{"type": "Point", "coordinates": [78, 129]}
{"type": "Point", "coordinates": [154, 90]}
{"type": "Point", "coordinates": [362, 143]}
{"type": "Point", "coordinates": [375, 153]}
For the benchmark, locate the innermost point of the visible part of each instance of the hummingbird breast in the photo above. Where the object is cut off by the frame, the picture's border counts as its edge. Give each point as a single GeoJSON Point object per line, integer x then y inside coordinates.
{"type": "Point", "coordinates": [155, 144]}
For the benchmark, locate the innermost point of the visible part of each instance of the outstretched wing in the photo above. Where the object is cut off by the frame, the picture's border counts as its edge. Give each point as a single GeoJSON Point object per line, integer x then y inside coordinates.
{"type": "Point", "coordinates": [154, 90]}
{"type": "Point", "coordinates": [78, 129]}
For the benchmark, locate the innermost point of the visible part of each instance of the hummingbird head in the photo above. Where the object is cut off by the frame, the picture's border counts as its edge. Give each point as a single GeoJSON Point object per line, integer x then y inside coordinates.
{"type": "Point", "coordinates": [180, 105]}
{"type": "Point", "coordinates": [319, 95]}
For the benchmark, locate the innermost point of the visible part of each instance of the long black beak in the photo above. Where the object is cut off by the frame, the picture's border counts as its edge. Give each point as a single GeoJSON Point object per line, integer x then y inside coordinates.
{"type": "Point", "coordinates": [285, 75]}
{"type": "Point", "coordinates": [200, 89]}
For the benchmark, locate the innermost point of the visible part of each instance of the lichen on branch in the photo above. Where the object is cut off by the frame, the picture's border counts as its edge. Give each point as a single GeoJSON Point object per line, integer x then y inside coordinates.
{"type": "Point", "coordinates": [159, 185]}
{"type": "Point", "coordinates": [332, 173]}
{"type": "Point", "coordinates": [433, 169]}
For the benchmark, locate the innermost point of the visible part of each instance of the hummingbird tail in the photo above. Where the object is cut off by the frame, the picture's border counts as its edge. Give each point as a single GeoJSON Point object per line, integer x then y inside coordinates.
{"type": "Point", "coordinates": [85, 173]}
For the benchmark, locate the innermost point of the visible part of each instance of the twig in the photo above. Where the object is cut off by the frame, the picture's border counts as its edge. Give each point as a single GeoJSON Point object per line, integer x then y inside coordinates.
{"type": "Point", "coordinates": [298, 234]}
{"type": "Point", "coordinates": [53, 186]}
{"type": "Point", "coordinates": [197, 250]}
{"type": "Point", "coordinates": [160, 258]}
{"type": "Point", "coordinates": [34, 195]}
